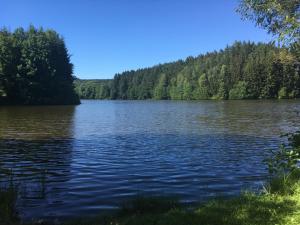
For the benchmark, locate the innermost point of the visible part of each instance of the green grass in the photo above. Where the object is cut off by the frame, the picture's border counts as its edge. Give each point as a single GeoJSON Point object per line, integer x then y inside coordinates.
{"type": "Point", "coordinates": [248, 209]}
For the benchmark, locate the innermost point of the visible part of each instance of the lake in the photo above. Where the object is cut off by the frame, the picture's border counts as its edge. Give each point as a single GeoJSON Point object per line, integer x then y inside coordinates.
{"type": "Point", "coordinates": [87, 159]}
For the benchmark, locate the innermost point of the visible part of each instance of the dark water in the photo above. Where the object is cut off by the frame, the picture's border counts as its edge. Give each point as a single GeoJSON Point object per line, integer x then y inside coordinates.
{"type": "Point", "coordinates": [86, 159]}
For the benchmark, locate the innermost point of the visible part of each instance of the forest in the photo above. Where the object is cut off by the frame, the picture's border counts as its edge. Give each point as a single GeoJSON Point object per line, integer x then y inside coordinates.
{"type": "Point", "coordinates": [35, 68]}
{"type": "Point", "coordinates": [244, 70]}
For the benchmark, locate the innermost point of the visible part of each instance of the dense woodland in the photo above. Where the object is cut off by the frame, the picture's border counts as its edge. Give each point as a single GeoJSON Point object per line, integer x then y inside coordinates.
{"type": "Point", "coordinates": [35, 68]}
{"type": "Point", "coordinates": [244, 70]}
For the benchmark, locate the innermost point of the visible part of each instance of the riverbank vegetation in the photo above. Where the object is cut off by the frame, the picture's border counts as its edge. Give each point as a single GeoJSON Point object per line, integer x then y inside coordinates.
{"type": "Point", "coordinates": [35, 68]}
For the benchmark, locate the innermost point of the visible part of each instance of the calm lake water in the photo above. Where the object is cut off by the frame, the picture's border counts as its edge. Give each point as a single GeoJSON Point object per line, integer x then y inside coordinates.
{"type": "Point", "coordinates": [86, 159]}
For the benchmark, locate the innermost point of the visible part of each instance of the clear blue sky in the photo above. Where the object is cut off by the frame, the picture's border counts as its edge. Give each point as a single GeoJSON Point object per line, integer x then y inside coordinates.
{"type": "Point", "coordinates": [109, 36]}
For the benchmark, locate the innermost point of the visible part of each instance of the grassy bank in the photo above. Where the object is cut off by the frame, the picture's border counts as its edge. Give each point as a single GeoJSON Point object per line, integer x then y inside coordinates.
{"type": "Point", "coordinates": [279, 204]}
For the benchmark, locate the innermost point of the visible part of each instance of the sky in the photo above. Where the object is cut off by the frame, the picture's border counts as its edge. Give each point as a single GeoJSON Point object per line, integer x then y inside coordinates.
{"type": "Point", "coordinates": [105, 37]}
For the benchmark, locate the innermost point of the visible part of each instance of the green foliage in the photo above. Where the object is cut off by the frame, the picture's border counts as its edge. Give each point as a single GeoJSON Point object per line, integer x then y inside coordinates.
{"type": "Point", "coordinates": [283, 185]}
{"type": "Point", "coordinates": [295, 50]}
{"type": "Point", "coordinates": [161, 89]}
{"type": "Point", "coordinates": [294, 139]}
{"type": "Point", "coordinates": [283, 166]}
{"type": "Point", "coordinates": [244, 70]}
{"type": "Point", "coordinates": [239, 91]}
{"type": "Point", "coordinates": [223, 86]}
{"type": "Point", "coordinates": [286, 160]}
{"type": "Point", "coordinates": [203, 92]}
{"type": "Point", "coordinates": [93, 89]}
{"type": "Point", "coordinates": [283, 93]}
{"type": "Point", "coordinates": [283, 161]}
{"type": "Point", "coordinates": [35, 68]}
{"type": "Point", "coordinates": [279, 17]}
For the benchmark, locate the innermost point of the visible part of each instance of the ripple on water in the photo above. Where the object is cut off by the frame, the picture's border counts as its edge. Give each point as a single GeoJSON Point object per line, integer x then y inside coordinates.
{"type": "Point", "coordinates": [90, 158]}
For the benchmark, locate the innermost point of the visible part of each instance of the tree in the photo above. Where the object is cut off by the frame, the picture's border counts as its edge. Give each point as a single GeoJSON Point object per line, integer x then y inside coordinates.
{"type": "Point", "coordinates": [203, 92]}
{"type": "Point", "coordinates": [177, 88]}
{"type": "Point", "coordinates": [239, 91]}
{"type": "Point", "coordinates": [279, 17]}
{"type": "Point", "coordinates": [35, 68]}
{"type": "Point", "coordinates": [161, 90]}
{"type": "Point", "coordinates": [223, 88]}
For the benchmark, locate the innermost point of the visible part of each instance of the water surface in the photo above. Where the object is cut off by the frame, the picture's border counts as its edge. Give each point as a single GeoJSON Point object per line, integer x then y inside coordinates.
{"type": "Point", "coordinates": [86, 159]}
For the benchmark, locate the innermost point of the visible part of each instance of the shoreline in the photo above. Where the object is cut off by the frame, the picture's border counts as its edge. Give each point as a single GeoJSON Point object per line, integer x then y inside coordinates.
{"type": "Point", "coordinates": [279, 203]}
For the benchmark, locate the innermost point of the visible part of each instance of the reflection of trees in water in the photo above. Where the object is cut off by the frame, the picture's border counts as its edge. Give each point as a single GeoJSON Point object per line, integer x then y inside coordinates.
{"type": "Point", "coordinates": [35, 147]}
{"type": "Point", "coordinates": [254, 118]}
{"type": "Point", "coordinates": [33, 123]}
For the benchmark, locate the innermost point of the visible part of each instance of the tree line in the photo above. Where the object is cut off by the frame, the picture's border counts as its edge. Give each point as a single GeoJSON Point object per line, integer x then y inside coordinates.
{"type": "Point", "coordinates": [244, 70]}
{"type": "Point", "coordinates": [35, 68]}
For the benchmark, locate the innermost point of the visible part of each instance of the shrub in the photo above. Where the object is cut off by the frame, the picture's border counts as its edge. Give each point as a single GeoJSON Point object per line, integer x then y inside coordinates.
{"type": "Point", "coordinates": [239, 91]}
{"type": "Point", "coordinates": [282, 94]}
{"type": "Point", "coordinates": [283, 165]}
